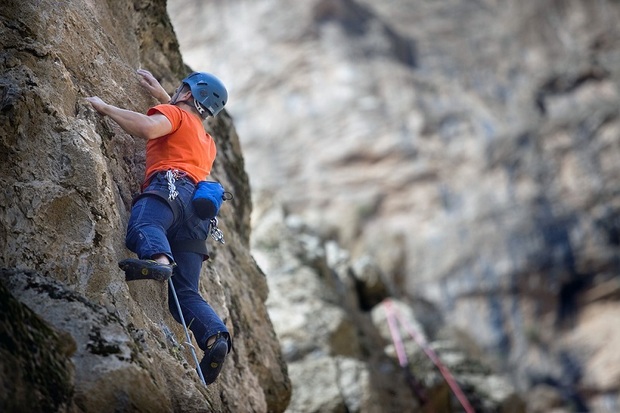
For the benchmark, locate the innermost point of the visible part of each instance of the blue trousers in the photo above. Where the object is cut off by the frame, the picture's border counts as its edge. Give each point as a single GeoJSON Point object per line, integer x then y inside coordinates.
{"type": "Point", "coordinates": [152, 227]}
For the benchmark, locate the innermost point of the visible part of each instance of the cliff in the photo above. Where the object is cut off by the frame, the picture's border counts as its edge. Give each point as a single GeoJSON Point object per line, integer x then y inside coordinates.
{"type": "Point", "coordinates": [74, 335]}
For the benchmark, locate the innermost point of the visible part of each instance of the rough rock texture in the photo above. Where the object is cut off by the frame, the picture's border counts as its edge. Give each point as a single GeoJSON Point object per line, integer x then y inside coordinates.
{"type": "Point", "coordinates": [471, 147]}
{"type": "Point", "coordinates": [36, 370]}
{"type": "Point", "coordinates": [68, 178]}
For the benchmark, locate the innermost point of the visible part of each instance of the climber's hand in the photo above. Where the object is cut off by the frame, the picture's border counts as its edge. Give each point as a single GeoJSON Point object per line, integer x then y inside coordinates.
{"type": "Point", "coordinates": [98, 104]}
{"type": "Point", "coordinates": [151, 84]}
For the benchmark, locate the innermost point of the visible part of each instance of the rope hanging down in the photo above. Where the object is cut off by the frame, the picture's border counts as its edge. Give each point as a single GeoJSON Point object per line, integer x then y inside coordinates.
{"type": "Point", "coordinates": [187, 337]}
{"type": "Point", "coordinates": [394, 317]}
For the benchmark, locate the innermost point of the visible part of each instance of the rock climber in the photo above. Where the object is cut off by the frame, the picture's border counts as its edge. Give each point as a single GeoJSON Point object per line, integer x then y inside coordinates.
{"type": "Point", "coordinates": [164, 230]}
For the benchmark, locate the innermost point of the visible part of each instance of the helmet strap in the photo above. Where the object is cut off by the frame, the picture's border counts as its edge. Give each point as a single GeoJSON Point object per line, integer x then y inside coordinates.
{"type": "Point", "coordinates": [201, 110]}
{"type": "Point", "coordinates": [175, 97]}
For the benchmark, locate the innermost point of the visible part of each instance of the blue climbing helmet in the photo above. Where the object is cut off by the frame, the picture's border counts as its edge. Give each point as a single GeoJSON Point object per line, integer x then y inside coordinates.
{"type": "Point", "coordinates": [210, 94]}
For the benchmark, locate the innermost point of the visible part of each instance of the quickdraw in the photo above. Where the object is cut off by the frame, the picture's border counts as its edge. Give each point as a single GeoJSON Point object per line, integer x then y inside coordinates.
{"type": "Point", "coordinates": [171, 177]}
{"type": "Point", "coordinates": [215, 232]}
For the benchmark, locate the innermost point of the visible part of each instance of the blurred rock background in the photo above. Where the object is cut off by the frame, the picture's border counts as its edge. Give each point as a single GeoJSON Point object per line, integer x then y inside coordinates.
{"type": "Point", "coordinates": [468, 151]}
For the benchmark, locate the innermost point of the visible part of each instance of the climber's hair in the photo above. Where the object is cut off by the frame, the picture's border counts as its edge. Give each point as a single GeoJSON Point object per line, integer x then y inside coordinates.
{"type": "Point", "coordinates": [184, 88]}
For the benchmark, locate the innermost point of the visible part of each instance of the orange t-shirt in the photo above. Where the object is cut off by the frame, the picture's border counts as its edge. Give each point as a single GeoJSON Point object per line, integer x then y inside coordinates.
{"type": "Point", "coordinates": [188, 147]}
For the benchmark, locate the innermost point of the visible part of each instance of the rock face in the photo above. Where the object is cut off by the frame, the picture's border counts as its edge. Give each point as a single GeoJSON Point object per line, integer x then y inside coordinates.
{"type": "Point", "coordinates": [75, 335]}
{"type": "Point", "coordinates": [472, 148]}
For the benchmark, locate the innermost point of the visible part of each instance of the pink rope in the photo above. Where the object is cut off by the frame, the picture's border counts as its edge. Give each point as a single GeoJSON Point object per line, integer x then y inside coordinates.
{"type": "Point", "coordinates": [392, 317]}
{"type": "Point", "coordinates": [398, 342]}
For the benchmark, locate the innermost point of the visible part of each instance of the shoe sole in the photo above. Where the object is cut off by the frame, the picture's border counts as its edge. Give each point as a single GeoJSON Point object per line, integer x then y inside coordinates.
{"type": "Point", "coordinates": [135, 271]}
{"type": "Point", "coordinates": [218, 356]}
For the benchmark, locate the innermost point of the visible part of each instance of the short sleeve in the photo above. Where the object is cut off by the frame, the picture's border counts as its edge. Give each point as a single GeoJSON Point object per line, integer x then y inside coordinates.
{"type": "Point", "coordinates": [171, 112]}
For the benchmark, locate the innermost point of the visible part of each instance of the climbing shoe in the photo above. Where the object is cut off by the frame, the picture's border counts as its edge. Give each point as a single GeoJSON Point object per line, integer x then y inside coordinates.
{"type": "Point", "coordinates": [136, 269]}
{"type": "Point", "coordinates": [213, 360]}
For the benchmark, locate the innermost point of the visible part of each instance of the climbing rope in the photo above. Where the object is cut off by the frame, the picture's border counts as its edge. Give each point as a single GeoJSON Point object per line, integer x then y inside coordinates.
{"type": "Point", "coordinates": [394, 317]}
{"type": "Point", "coordinates": [187, 337]}
{"type": "Point", "coordinates": [402, 360]}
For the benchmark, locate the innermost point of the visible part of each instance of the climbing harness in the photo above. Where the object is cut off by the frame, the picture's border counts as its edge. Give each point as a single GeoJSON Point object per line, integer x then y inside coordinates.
{"type": "Point", "coordinates": [394, 317]}
{"type": "Point", "coordinates": [187, 336]}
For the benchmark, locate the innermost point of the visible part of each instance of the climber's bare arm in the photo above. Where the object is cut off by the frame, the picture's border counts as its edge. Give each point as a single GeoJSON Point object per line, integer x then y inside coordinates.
{"type": "Point", "coordinates": [134, 123]}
